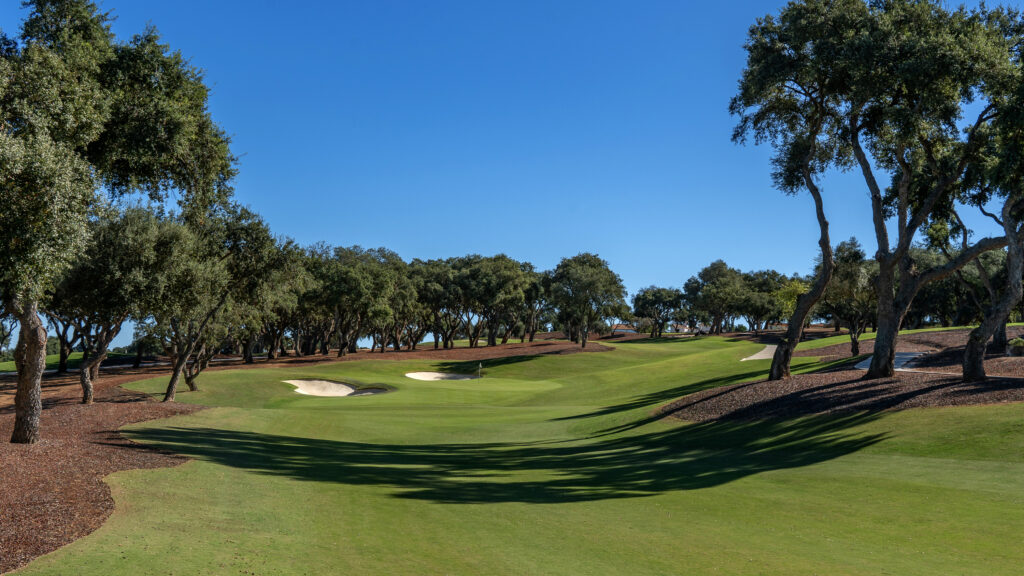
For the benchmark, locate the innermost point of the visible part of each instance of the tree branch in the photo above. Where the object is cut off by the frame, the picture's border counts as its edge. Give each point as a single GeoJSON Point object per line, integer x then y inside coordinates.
{"type": "Point", "coordinates": [962, 259]}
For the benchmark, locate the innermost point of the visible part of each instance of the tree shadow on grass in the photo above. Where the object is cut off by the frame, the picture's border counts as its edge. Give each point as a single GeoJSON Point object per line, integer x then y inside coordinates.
{"type": "Point", "coordinates": [660, 396]}
{"type": "Point", "coordinates": [471, 366]}
{"type": "Point", "coordinates": [688, 457]}
{"type": "Point", "coordinates": [660, 340]}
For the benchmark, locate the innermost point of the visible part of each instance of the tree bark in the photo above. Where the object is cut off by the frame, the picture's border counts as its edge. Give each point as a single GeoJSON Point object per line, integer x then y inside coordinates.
{"type": "Point", "coordinates": [62, 362]}
{"type": "Point", "coordinates": [999, 339]}
{"type": "Point", "coordinates": [247, 351]}
{"type": "Point", "coordinates": [95, 369]}
{"type": "Point", "coordinates": [30, 359]}
{"type": "Point", "coordinates": [85, 378]}
{"type": "Point", "coordinates": [974, 351]}
{"type": "Point", "coordinates": [172, 386]}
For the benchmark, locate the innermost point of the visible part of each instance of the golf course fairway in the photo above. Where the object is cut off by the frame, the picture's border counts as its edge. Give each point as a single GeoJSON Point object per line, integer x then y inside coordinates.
{"type": "Point", "coordinates": [555, 465]}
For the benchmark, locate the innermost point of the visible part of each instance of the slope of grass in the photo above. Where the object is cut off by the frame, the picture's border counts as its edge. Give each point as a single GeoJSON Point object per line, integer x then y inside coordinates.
{"type": "Point", "coordinates": [554, 465]}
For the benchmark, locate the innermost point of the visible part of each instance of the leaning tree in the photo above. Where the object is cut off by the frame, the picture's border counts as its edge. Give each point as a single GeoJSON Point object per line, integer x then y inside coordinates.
{"type": "Point", "coordinates": [789, 97]}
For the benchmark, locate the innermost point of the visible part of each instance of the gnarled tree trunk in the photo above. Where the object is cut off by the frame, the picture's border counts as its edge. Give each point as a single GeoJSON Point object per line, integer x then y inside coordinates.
{"type": "Point", "coordinates": [30, 358]}
{"type": "Point", "coordinates": [974, 351]}
{"type": "Point", "coordinates": [172, 386]}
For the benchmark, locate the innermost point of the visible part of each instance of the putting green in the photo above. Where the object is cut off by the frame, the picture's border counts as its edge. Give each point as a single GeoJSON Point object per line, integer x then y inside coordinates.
{"type": "Point", "coordinates": [554, 465]}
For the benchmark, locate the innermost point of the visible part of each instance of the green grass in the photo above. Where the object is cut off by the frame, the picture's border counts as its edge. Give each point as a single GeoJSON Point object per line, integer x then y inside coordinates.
{"type": "Point", "coordinates": [53, 360]}
{"type": "Point", "coordinates": [554, 465]}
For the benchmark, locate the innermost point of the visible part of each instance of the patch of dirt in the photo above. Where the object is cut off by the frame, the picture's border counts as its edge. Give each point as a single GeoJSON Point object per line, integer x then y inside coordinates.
{"type": "Point", "coordinates": [838, 391]}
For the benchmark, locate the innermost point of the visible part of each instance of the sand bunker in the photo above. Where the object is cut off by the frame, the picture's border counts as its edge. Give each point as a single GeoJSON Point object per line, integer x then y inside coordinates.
{"type": "Point", "coordinates": [439, 376]}
{"type": "Point", "coordinates": [328, 388]}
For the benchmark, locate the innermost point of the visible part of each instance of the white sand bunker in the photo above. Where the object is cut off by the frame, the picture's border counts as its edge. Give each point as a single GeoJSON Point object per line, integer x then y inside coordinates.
{"type": "Point", "coordinates": [328, 388]}
{"type": "Point", "coordinates": [439, 376]}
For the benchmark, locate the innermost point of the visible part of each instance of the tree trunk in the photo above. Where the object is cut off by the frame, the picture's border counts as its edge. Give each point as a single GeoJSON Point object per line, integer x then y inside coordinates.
{"type": "Point", "coordinates": [884, 357]}
{"type": "Point", "coordinates": [62, 363]}
{"type": "Point", "coordinates": [172, 386]}
{"type": "Point", "coordinates": [783, 356]}
{"type": "Point", "coordinates": [95, 366]}
{"type": "Point", "coordinates": [999, 339]}
{"type": "Point", "coordinates": [138, 355]}
{"type": "Point", "coordinates": [247, 351]}
{"type": "Point", "coordinates": [30, 359]}
{"type": "Point", "coordinates": [85, 378]}
{"type": "Point", "coordinates": [974, 351]}
{"type": "Point", "coordinates": [887, 327]}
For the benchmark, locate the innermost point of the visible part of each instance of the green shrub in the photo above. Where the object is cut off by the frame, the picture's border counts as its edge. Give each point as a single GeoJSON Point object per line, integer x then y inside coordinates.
{"type": "Point", "coordinates": [1016, 342]}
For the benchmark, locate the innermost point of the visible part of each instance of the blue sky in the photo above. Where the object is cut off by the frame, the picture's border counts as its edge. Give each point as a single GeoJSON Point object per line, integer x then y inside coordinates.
{"type": "Point", "coordinates": [537, 129]}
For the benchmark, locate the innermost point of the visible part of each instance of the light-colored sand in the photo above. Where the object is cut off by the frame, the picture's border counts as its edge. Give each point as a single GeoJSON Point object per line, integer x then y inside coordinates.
{"type": "Point", "coordinates": [431, 376]}
{"type": "Point", "coordinates": [321, 388]}
{"type": "Point", "coordinates": [766, 354]}
{"type": "Point", "coordinates": [903, 361]}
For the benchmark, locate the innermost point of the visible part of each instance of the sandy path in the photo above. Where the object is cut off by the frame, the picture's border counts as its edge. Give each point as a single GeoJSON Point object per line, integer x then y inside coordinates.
{"type": "Point", "coordinates": [765, 354]}
{"type": "Point", "coordinates": [902, 361]}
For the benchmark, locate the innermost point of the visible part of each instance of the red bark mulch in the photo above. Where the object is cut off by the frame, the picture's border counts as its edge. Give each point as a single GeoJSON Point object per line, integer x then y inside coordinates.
{"type": "Point", "coordinates": [839, 391]}
{"type": "Point", "coordinates": [52, 492]}
{"type": "Point", "coordinates": [945, 352]}
{"type": "Point", "coordinates": [845, 390]}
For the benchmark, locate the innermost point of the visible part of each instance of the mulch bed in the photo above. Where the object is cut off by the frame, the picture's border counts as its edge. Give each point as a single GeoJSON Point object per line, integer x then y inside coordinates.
{"type": "Point", "coordinates": [52, 492]}
{"type": "Point", "coordinates": [949, 343]}
{"type": "Point", "coordinates": [843, 389]}
{"type": "Point", "coordinates": [839, 391]}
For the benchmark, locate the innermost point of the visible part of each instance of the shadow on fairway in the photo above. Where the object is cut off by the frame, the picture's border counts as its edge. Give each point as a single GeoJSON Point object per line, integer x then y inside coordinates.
{"type": "Point", "coordinates": [688, 457]}
{"type": "Point", "coordinates": [471, 366]}
{"type": "Point", "coordinates": [649, 340]}
{"type": "Point", "coordinates": [661, 396]}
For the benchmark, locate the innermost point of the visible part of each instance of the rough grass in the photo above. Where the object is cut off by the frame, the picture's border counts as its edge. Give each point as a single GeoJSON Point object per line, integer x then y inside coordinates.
{"type": "Point", "coordinates": [554, 465]}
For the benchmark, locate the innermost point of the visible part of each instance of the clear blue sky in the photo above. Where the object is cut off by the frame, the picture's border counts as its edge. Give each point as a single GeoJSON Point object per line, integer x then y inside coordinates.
{"type": "Point", "coordinates": [535, 128]}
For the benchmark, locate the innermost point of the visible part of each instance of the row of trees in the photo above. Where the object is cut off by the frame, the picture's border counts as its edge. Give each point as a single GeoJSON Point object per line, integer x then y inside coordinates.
{"type": "Point", "coordinates": [196, 288]}
{"type": "Point", "coordinates": [99, 134]}
{"type": "Point", "coordinates": [717, 298]}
